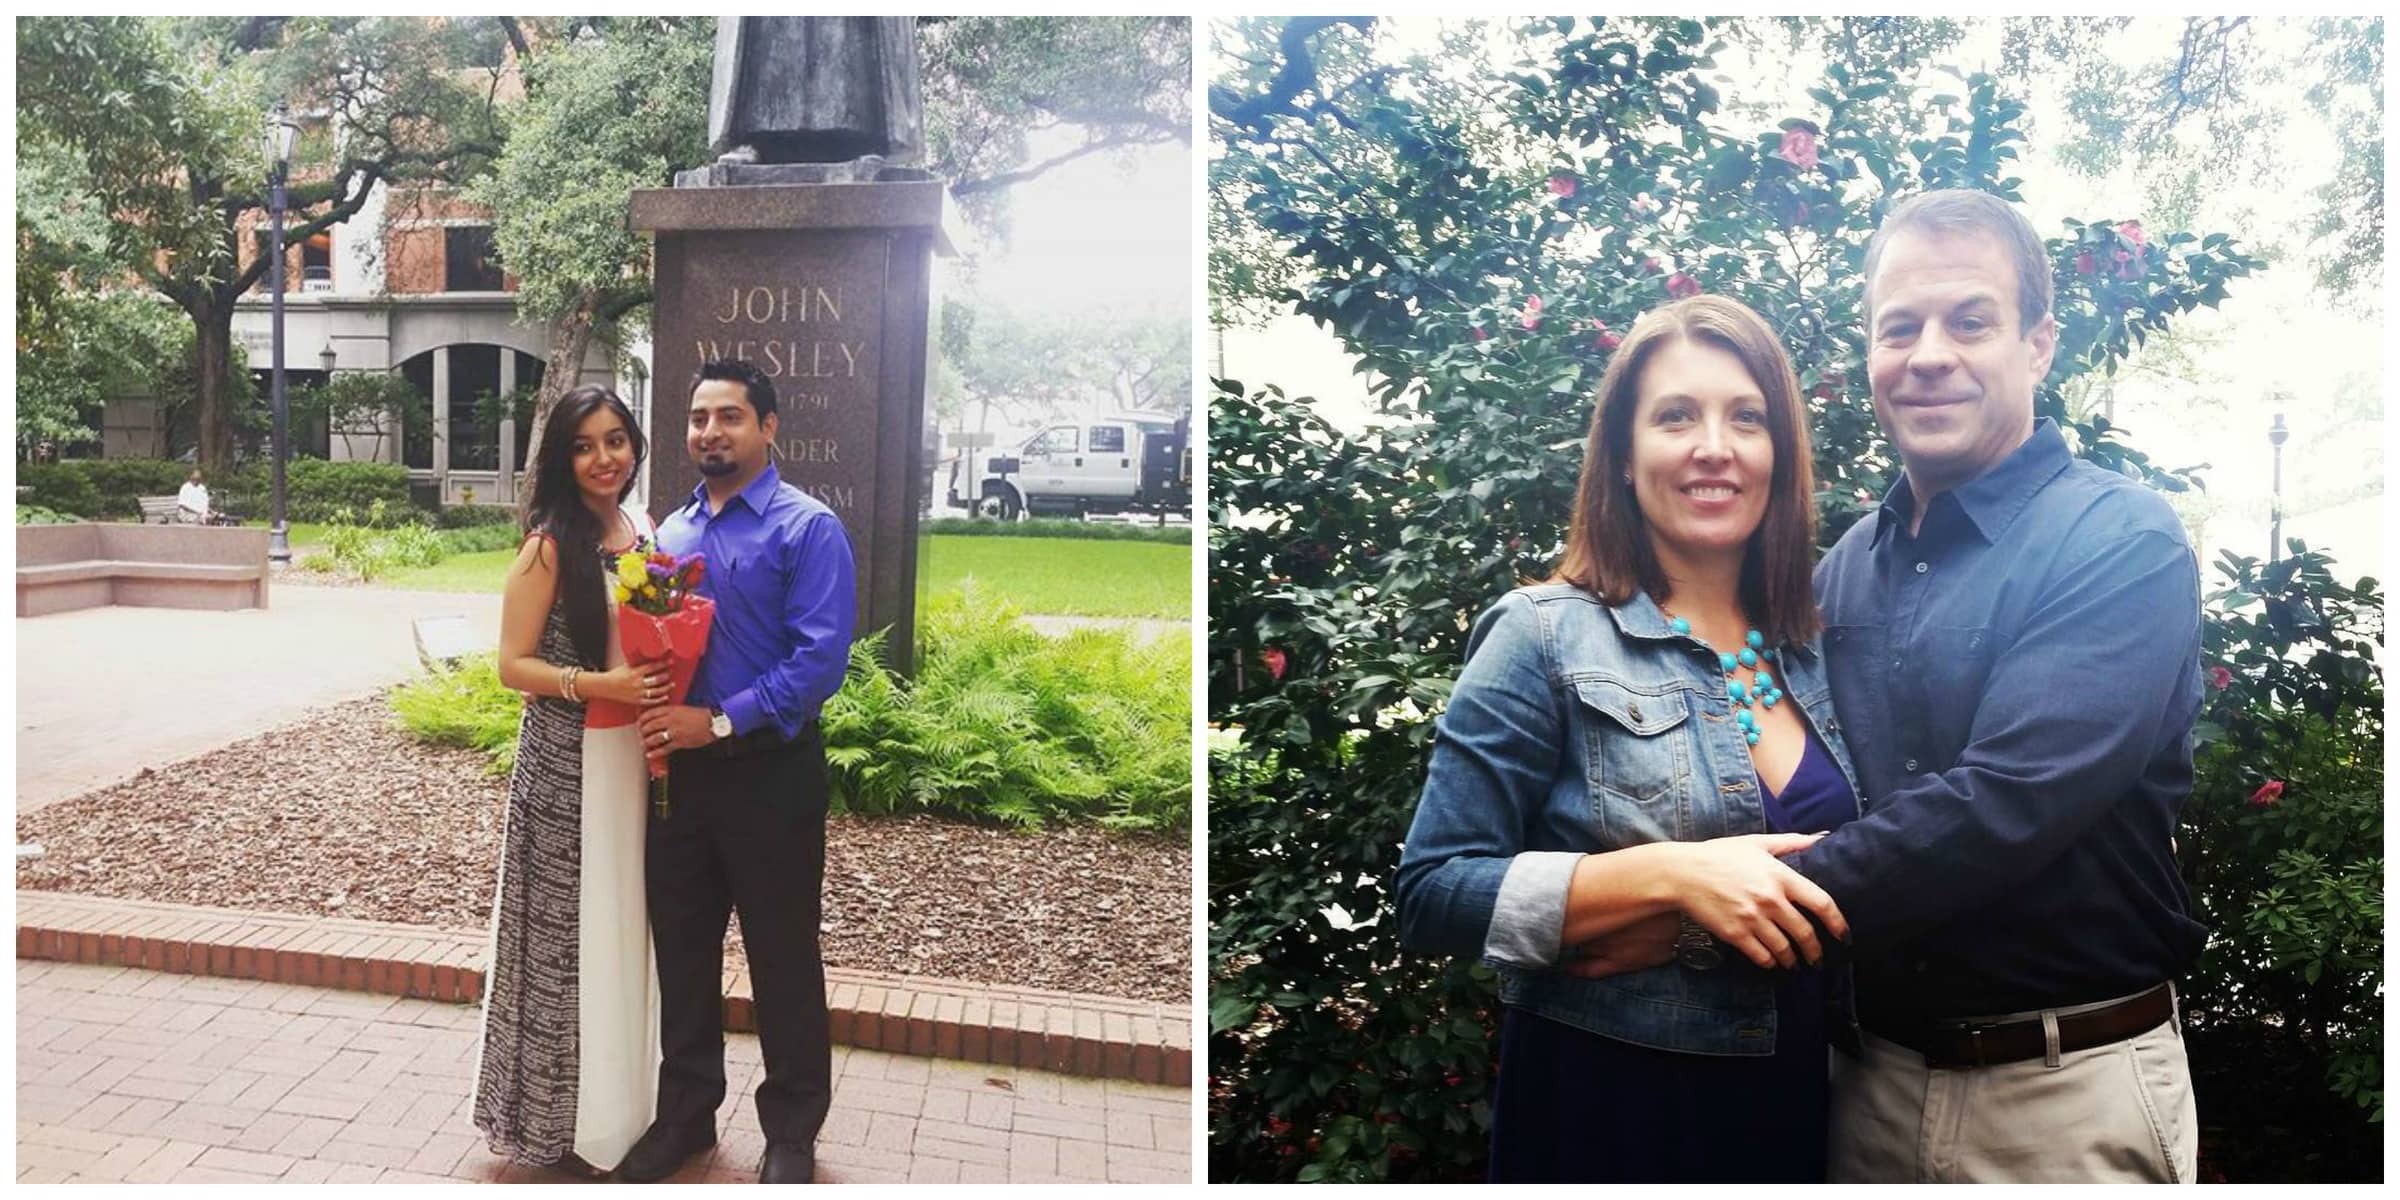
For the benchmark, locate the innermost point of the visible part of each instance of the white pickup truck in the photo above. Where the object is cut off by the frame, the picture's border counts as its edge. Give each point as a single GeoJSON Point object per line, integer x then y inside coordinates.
{"type": "Point", "coordinates": [1133, 463]}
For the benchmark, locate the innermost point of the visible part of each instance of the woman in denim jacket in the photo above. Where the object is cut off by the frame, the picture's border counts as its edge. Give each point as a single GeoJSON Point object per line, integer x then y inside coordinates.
{"type": "Point", "coordinates": [1627, 750]}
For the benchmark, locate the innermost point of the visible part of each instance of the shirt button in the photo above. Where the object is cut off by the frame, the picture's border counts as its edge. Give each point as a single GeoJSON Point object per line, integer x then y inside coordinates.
{"type": "Point", "coordinates": [1910, 765]}
{"type": "Point", "coordinates": [1895, 664]}
{"type": "Point", "coordinates": [1921, 568]}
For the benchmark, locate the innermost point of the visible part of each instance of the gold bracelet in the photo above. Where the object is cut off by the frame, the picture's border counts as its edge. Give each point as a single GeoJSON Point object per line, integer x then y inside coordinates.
{"type": "Point", "coordinates": [566, 685]}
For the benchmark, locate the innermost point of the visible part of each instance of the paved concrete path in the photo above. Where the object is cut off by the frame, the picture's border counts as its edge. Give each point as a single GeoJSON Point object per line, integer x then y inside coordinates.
{"type": "Point", "coordinates": [105, 692]}
{"type": "Point", "coordinates": [135, 1076]}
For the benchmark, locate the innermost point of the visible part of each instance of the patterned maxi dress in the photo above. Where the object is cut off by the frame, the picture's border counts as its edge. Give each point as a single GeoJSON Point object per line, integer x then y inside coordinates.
{"type": "Point", "coordinates": [569, 1056]}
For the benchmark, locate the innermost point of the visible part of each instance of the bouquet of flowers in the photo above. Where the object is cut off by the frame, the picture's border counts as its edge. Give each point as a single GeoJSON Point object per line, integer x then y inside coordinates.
{"type": "Point", "coordinates": [661, 617]}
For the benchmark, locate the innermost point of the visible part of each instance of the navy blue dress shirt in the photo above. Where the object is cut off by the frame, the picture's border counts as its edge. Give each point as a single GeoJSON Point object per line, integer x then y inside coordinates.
{"type": "Point", "coordinates": [2017, 681]}
{"type": "Point", "coordinates": [779, 568]}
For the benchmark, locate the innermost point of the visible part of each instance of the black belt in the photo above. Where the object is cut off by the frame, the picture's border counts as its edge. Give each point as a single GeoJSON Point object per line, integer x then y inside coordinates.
{"type": "Point", "coordinates": [1950, 1045]}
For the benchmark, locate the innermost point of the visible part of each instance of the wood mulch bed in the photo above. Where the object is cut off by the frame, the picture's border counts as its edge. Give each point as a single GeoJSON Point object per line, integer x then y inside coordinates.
{"type": "Point", "coordinates": [342, 814]}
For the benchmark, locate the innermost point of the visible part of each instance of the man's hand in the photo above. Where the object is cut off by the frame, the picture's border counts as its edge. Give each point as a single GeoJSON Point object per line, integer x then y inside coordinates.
{"type": "Point", "coordinates": [667, 728]}
{"type": "Point", "coordinates": [1637, 947]}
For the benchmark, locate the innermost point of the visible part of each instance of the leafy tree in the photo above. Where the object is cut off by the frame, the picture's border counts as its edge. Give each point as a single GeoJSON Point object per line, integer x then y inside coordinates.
{"type": "Point", "coordinates": [991, 82]}
{"type": "Point", "coordinates": [2209, 109]}
{"type": "Point", "coordinates": [1477, 256]}
{"type": "Point", "coordinates": [611, 105]}
{"type": "Point", "coordinates": [160, 118]}
{"type": "Point", "coordinates": [1032, 367]}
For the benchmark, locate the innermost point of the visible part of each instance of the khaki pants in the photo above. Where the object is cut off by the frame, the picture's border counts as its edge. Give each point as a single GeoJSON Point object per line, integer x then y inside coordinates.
{"type": "Point", "coordinates": [2120, 1113]}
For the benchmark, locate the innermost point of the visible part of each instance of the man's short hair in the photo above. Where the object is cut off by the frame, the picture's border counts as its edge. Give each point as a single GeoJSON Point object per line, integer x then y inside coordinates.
{"type": "Point", "coordinates": [1964, 210]}
{"type": "Point", "coordinates": [755, 387]}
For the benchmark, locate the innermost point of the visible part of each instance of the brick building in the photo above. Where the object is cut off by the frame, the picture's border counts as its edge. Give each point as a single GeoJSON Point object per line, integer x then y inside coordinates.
{"type": "Point", "coordinates": [409, 285]}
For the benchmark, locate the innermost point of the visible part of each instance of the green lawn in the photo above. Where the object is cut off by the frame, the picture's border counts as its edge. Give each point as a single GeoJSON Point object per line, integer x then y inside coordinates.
{"type": "Point", "coordinates": [1039, 575]}
{"type": "Point", "coordinates": [1073, 576]}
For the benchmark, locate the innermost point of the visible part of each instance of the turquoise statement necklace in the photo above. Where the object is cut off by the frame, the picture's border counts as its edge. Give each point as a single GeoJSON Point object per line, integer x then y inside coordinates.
{"type": "Point", "coordinates": [1759, 690]}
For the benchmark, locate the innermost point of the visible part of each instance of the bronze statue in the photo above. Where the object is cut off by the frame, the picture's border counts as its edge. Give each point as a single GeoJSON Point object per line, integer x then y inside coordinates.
{"type": "Point", "coordinates": [813, 100]}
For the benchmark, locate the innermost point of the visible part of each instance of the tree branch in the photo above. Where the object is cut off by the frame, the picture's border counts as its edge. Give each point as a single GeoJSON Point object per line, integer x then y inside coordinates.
{"type": "Point", "coordinates": [1005, 179]}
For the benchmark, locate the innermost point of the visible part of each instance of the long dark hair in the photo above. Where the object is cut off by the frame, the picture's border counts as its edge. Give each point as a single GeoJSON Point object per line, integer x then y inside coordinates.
{"type": "Point", "coordinates": [1608, 542]}
{"type": "Point", "coordinates": [555, 506]}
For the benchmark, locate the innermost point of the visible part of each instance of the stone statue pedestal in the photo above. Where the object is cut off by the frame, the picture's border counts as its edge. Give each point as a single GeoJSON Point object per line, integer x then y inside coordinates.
{"type": "Point", "coordinates": [828, 289]}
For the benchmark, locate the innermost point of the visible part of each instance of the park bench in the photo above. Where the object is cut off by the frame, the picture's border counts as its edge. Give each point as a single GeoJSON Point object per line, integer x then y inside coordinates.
{"type": "Point", "coordinates": [65, 567]}
{"type": "Point", "coordinates": [158, 510]}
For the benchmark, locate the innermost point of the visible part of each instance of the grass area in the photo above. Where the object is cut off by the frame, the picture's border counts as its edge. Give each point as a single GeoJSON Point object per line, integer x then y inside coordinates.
{"type": "Point", "coordinates": [480, 572]}
{"type": "Point", "coordinates": [1037, 575]}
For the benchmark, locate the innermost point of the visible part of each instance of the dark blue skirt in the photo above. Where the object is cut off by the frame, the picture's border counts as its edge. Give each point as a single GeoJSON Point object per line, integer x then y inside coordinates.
{"type": "Point", "coordinates": [1575, 1107]}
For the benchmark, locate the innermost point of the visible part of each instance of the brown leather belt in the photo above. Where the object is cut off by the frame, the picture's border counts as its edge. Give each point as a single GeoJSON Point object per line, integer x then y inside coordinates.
{"type": "Point", "coordinates": [1952, 1045]}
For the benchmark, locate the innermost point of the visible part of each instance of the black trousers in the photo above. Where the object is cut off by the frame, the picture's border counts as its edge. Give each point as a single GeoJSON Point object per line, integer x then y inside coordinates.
{"type": "Point", "coordinates": [743, 834]}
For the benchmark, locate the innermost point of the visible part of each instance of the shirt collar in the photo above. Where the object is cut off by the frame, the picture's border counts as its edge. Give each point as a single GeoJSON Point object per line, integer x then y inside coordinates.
{"type": "Point", "coordinates": [1993, 499]}
{"type": "Point", "coordinates": [756, 493]}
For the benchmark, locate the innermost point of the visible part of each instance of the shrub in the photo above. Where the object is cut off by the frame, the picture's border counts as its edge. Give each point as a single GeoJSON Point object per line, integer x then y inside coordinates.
{"type": "Point", "coordinates": [480, 539]}
{"type": "Point", "coordinates": [34, 514]}
{"type": "Point", "coordinates": [314, 490]}
{"type": "Point", "coordinates": [2283, 852]}
{"type": "Point", "coordinates": [1053, 527]}
{"type": "Point", "coordinates": [369, 545]}
{"type": "Point", "coordinates": [61, 487]}
{"type": "Point", "coordinates": [474, 516]}
{"type": "Point", "coordinates": [464, 706]}
{"type": "Point", "coordinates": [1003, 723]}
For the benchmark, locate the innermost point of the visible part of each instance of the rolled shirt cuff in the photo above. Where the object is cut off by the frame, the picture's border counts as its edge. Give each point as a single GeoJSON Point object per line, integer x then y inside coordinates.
{"type": "Point", "coordinates": [744, 709]}
{"type": "Point", "coordinates": [1530, 915]}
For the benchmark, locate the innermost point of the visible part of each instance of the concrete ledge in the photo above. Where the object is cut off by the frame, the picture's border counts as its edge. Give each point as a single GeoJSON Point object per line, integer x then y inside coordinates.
{"type": "Point", "coordinates": [1064, 1032]}
{"type": "Point", "coordinates": [66, 567]}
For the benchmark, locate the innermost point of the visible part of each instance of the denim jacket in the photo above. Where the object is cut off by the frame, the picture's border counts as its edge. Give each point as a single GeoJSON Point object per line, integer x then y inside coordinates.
{"type": "Point", "coordinates": [1578, 728]}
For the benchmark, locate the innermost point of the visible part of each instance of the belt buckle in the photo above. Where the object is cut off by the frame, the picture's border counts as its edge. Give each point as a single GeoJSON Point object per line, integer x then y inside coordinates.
{"type": "Point", "coordinates": [1975, 1031]}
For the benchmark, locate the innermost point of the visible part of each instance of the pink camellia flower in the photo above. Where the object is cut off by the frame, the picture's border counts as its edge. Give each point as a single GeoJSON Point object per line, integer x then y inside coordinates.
{"type": "Point", "coordinates": [1273, 657]}
{"type": "Point", "coordinates": [1606, 340]}
{"type": "Point", "coordinates": [2220, 678]}
{"type": "Point", "coordinates": [2085, 264]}
{"type": "Point", "coordinates": [1533, 313]}
{"type": "Point", "coordinates": [1682, 286]}
{"type": "Point", "coordinates": [1562, 185]}
{"type": "Point", "coordinates": [1799, 147]}
{"type": "Point", "coordinates": [2267, 794]}
{"type": "Point", "coordinates": [1477, 333]}
{"type": "Point", "coordinates": [2132, 231]}
{"type": "Point", "coordinates": [1650, 266]}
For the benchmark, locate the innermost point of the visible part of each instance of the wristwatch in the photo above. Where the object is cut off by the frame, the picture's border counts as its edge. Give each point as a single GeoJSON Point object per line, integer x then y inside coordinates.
{"type": "Point", "coordinates": [1697, 948]}
{"type": "Point", "coordinates": [720, 726]}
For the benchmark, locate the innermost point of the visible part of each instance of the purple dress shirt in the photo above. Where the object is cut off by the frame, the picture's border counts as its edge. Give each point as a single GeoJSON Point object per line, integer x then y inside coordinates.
{"type": "Point", "coordinates": [780, 571]}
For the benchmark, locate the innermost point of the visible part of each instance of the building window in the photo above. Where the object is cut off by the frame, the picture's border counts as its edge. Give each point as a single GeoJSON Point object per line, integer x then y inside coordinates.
{"type": "Point", "coordinates": [316, 262]}
{"type": "Point", "coordinates": [469, 263]}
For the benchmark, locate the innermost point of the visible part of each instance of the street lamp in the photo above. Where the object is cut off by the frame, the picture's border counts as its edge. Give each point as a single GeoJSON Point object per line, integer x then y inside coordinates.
{"type": "Point", "coordinates": [329, 360]}
{"type": "Point", "coordinates": [280, 132]}
{"type": "Point", "coordinates": [2275, 437]}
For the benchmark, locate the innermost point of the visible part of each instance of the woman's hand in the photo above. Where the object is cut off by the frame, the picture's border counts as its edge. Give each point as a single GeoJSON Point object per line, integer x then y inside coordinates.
{"type": "Point", "coordinates": [640, 684]}
{"type": "Point", "coordinates": [1646, 943]}
{"type": "Point", "coordinates": [1735, 888]}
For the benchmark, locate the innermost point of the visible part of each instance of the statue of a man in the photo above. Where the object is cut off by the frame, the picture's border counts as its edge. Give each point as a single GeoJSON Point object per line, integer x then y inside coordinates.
{"type": "Point", "coordinates": [816, 90]}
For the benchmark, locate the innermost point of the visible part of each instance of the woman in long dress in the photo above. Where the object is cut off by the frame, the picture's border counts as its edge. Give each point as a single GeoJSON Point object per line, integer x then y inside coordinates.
{"type": "Point", "coordinates": [568, 1064]}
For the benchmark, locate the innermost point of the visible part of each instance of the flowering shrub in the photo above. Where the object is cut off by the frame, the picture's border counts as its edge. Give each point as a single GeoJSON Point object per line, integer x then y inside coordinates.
{"type": "Point", "coordinates": [1475, 259]}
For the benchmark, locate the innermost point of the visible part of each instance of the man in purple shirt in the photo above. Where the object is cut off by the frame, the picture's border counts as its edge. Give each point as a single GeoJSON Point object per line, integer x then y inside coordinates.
{"type": "Point", "coordinates": [746, 827]}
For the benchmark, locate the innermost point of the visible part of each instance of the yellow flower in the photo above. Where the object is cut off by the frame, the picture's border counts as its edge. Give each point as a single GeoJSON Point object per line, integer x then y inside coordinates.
{"type": "Point", "coordinates": [623, 593]}
{"type": "Point", "coordinates": [632, 570]}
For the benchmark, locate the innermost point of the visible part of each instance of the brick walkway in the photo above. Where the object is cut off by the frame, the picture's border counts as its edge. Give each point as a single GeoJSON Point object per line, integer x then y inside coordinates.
{"type": "Point", "coordinates": [135, 1076]}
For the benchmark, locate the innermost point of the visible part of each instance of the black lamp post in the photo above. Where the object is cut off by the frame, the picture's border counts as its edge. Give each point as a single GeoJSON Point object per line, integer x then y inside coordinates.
{"type": "Point", "coordinates": [2275, 437]}
{"type": "Point", "coordinates": [280, 132]}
